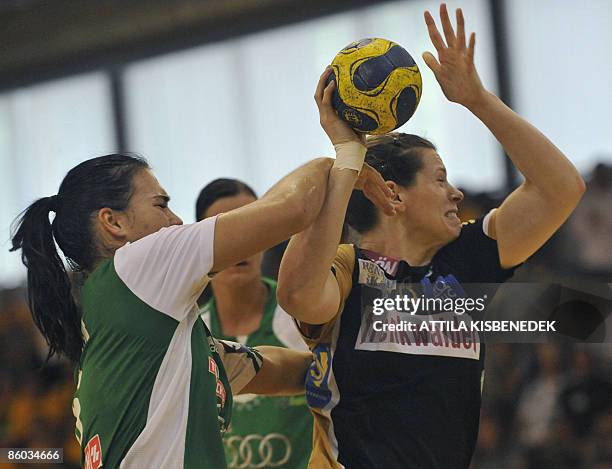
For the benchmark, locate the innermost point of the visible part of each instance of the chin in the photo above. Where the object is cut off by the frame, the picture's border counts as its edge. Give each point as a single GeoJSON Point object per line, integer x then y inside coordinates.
{"type": "Point", "coordinates": [241, 276]}
{"type": "Point", "coordinates": [452, 233]}
{"type": "Point", "coordinates": [456, 232]}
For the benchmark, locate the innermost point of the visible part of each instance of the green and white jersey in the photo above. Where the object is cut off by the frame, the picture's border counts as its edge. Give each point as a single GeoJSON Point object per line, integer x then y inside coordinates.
{"type": "Point", "coordinates": [267, 432]}
{"type": "Point", "coordinates": [154, 388]}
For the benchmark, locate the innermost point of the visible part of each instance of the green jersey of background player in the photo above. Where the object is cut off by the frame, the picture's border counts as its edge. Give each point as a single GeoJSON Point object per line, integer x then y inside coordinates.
{"type": "Point", "coordinates": [266, 432]}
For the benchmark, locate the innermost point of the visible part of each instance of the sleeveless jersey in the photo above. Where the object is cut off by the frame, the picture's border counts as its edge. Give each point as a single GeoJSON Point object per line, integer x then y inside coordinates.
{"type": "Point", "coordinates": [154, 388]}
{"type": "Point", "coordinates": [385, 400]}
{"type": "Point", "coordinates": [266, 432]}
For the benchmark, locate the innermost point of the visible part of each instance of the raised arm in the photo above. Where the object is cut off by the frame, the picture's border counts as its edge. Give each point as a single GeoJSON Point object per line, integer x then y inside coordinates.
{"type": "Point", "coordinates": [552, 187]}
{"type": "Point", "coordinates": [307, 289]}
{"type": "Point", "coordinates": [288, 207]}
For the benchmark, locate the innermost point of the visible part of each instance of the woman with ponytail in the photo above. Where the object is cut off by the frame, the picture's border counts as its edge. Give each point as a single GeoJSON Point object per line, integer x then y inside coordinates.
{"type": "Point", "coordinates": [100, 182]}
{"type": "Point", "coordinates": [154, 388]}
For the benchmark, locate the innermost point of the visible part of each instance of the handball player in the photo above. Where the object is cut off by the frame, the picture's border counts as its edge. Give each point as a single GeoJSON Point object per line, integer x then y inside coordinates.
{"type": "Point", "coordinates": [378, 402]}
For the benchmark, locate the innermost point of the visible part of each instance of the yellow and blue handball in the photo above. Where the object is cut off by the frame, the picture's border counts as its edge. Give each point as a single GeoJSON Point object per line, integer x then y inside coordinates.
{"type": "Point", "coordinates": [378, 85]}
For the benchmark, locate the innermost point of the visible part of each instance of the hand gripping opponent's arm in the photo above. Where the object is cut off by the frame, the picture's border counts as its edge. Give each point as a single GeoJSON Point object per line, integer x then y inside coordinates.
{"type": "Point", "coordinates": [307, 289]}
{"type": "Point", "coordinates": [282, 373]}
{"type": "Point", "coordinates": [292, 204]}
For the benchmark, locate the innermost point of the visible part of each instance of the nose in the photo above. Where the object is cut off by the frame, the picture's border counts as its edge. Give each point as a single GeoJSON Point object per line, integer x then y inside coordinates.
{"type": "Point", "coordinates": [456, 195]}
{"type": "Point", "coordinates": [175, 219]}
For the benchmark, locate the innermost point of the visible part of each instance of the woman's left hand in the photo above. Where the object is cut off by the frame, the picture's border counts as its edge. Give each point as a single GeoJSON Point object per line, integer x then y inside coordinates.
{"type": "Point", "coordinates": [373, 186]}
{"type": "Point", "coordinates": [454, 69]}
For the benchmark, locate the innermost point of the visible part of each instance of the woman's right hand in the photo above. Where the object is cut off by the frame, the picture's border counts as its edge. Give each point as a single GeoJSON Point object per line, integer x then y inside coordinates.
{"type": "Point", "coordinates": [370, 181]}
{"type": "Point", "coordinates": [336, 129]}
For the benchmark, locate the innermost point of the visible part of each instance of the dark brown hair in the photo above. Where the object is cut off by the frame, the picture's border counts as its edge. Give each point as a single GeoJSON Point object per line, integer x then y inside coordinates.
{"type": "Point", "coordinates": [397, 157]}
{"type": "Point", "coordinates": [218, 189]}
{"type": "Point", "coordinates": [100, 182]}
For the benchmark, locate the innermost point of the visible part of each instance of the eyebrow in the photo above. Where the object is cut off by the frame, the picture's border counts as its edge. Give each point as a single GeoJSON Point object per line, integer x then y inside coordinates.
{"type": "Point", "coordinates": [441, 168]}
{"type": "Point", "coordinates": [164, 197]}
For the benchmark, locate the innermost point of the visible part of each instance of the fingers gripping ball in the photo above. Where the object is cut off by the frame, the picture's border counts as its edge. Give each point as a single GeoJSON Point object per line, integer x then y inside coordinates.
{"type": "Point", "coordinates": [378, 85]}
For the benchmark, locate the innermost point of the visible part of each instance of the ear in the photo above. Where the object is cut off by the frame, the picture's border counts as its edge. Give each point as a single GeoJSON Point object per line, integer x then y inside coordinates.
{"type": "Point", "coordinates": [398, 201]}
{"type": "Point", "coordinates": [113, 223]}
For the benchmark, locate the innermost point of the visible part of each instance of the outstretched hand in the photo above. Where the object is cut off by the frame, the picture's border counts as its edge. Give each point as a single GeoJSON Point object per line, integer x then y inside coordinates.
{"type": "Point", "coordinates": [336, 129]}
{"type": "Point", "coordinates": [454, 69]}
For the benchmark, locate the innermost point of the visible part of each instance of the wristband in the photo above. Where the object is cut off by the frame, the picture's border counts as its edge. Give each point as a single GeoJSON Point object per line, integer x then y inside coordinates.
{"type": "Point", "coordinates": [350, 155]}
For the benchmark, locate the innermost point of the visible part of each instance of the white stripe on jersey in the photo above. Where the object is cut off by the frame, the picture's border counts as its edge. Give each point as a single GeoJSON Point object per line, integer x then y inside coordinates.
{"type": "Point", "coordinates": [162, 441]}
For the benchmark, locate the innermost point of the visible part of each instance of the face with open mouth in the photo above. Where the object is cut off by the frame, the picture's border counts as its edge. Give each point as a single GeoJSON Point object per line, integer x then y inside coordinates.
{"type": "Point", "coordinates": [432, 203]}
{"type": "Point", "coordinates": [243, 272]}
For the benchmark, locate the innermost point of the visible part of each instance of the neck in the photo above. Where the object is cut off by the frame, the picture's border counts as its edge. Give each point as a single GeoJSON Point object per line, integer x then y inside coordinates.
{"type": "Point", "coordinates": [240, 310]}
{"type": "Point", "coordinates": [394, 239]}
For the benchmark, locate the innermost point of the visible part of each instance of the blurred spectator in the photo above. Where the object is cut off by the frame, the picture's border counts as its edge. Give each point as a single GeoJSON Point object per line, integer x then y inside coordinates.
{"type": "Point", "coordinates": [590, 226]}
{"type": "Point", "coordinates": [585, 395]}
{"type": "Point", "coordinates": [537, 405]}
{"type": "Point", "coordinates": [599, 445]}
{"type": "Point", "coordinates": [35, 401]}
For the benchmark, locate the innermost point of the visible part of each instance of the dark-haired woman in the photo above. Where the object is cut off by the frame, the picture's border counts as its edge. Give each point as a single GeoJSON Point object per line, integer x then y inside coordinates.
{"type": "Point", "coordinates": [154, 388]}
{"type": "Point", "coordinates": [243, 309]}
{"type": "Point", "coordinates": [391, 398]}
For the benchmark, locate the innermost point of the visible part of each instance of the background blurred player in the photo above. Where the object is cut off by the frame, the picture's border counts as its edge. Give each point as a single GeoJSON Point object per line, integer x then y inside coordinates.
{"type": "Point", "coordinates": [266, 432]}
{"type": "Point", "coordinates": [388, 401]}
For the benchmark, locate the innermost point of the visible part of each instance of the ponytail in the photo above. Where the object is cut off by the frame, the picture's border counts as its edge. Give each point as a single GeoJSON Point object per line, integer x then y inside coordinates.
{"type": "Point", "coordinates": [50, 299]}
{"type": "Point", "coordinates": [105, 181]}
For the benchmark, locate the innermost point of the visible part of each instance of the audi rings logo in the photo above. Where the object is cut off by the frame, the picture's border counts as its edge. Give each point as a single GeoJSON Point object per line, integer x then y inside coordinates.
{"type": "Point", "coordinates": [257, 451]}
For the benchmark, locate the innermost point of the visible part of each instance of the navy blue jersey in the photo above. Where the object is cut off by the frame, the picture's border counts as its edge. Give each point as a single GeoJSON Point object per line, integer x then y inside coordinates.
{"type": "Point", "coordinates": [399, 400]}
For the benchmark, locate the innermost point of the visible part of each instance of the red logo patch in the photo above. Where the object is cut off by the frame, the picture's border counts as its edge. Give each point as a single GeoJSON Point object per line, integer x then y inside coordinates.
{"type": "Point", "coordinates": [93, 453]}
{"type": "Point", "coordinates": [220, 389]}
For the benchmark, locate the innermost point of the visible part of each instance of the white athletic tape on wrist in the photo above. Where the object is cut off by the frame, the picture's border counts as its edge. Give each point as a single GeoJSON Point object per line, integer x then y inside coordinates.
{"type": "Point", "coordinates": [350, 155]}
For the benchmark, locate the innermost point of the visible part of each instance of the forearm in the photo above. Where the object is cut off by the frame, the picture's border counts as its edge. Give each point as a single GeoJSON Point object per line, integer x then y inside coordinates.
{"type": "Point", "coordinates": [306, 263]}
{"type": "Point", "coordinates": [289, 207]}
{"type": "Point", "coordinates": [303, 190]}
{"type": "Point", "coordinates": [542, 164]}
{"type": "Point", "coordinates": [283, 372]}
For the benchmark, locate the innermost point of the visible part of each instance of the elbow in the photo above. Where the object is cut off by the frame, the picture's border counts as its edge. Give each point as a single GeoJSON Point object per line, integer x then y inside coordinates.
{"type": "Point", "coordinates": [291, 301]}
{"type": "Point", "coordinates": [566, 191]}
{"type": "Point", "coordinates": [576, 189]}
{"type": "Point", "coordinates": [287, 298]}
{"type": "Point", "coordinates": [288, 283]}
{"type": "Point", "coordinates": [581, 185]}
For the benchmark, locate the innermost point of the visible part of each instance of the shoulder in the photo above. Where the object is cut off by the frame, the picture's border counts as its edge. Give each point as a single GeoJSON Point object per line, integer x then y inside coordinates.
{"type": "Point", "coordinates": [102, 284]}
{"type": "Point", "coordinates": [344, 262]}
{"type": "Point", "coordinates": [169, 269]}
{"type": "Point", "coordinates": [473, 235]}
{"type": "Point", "coordinates": [474, 255]}
{"type": "Point", "coordinates": [169, 242]}
{"type": "Point", "coordinates": [345, 254]}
